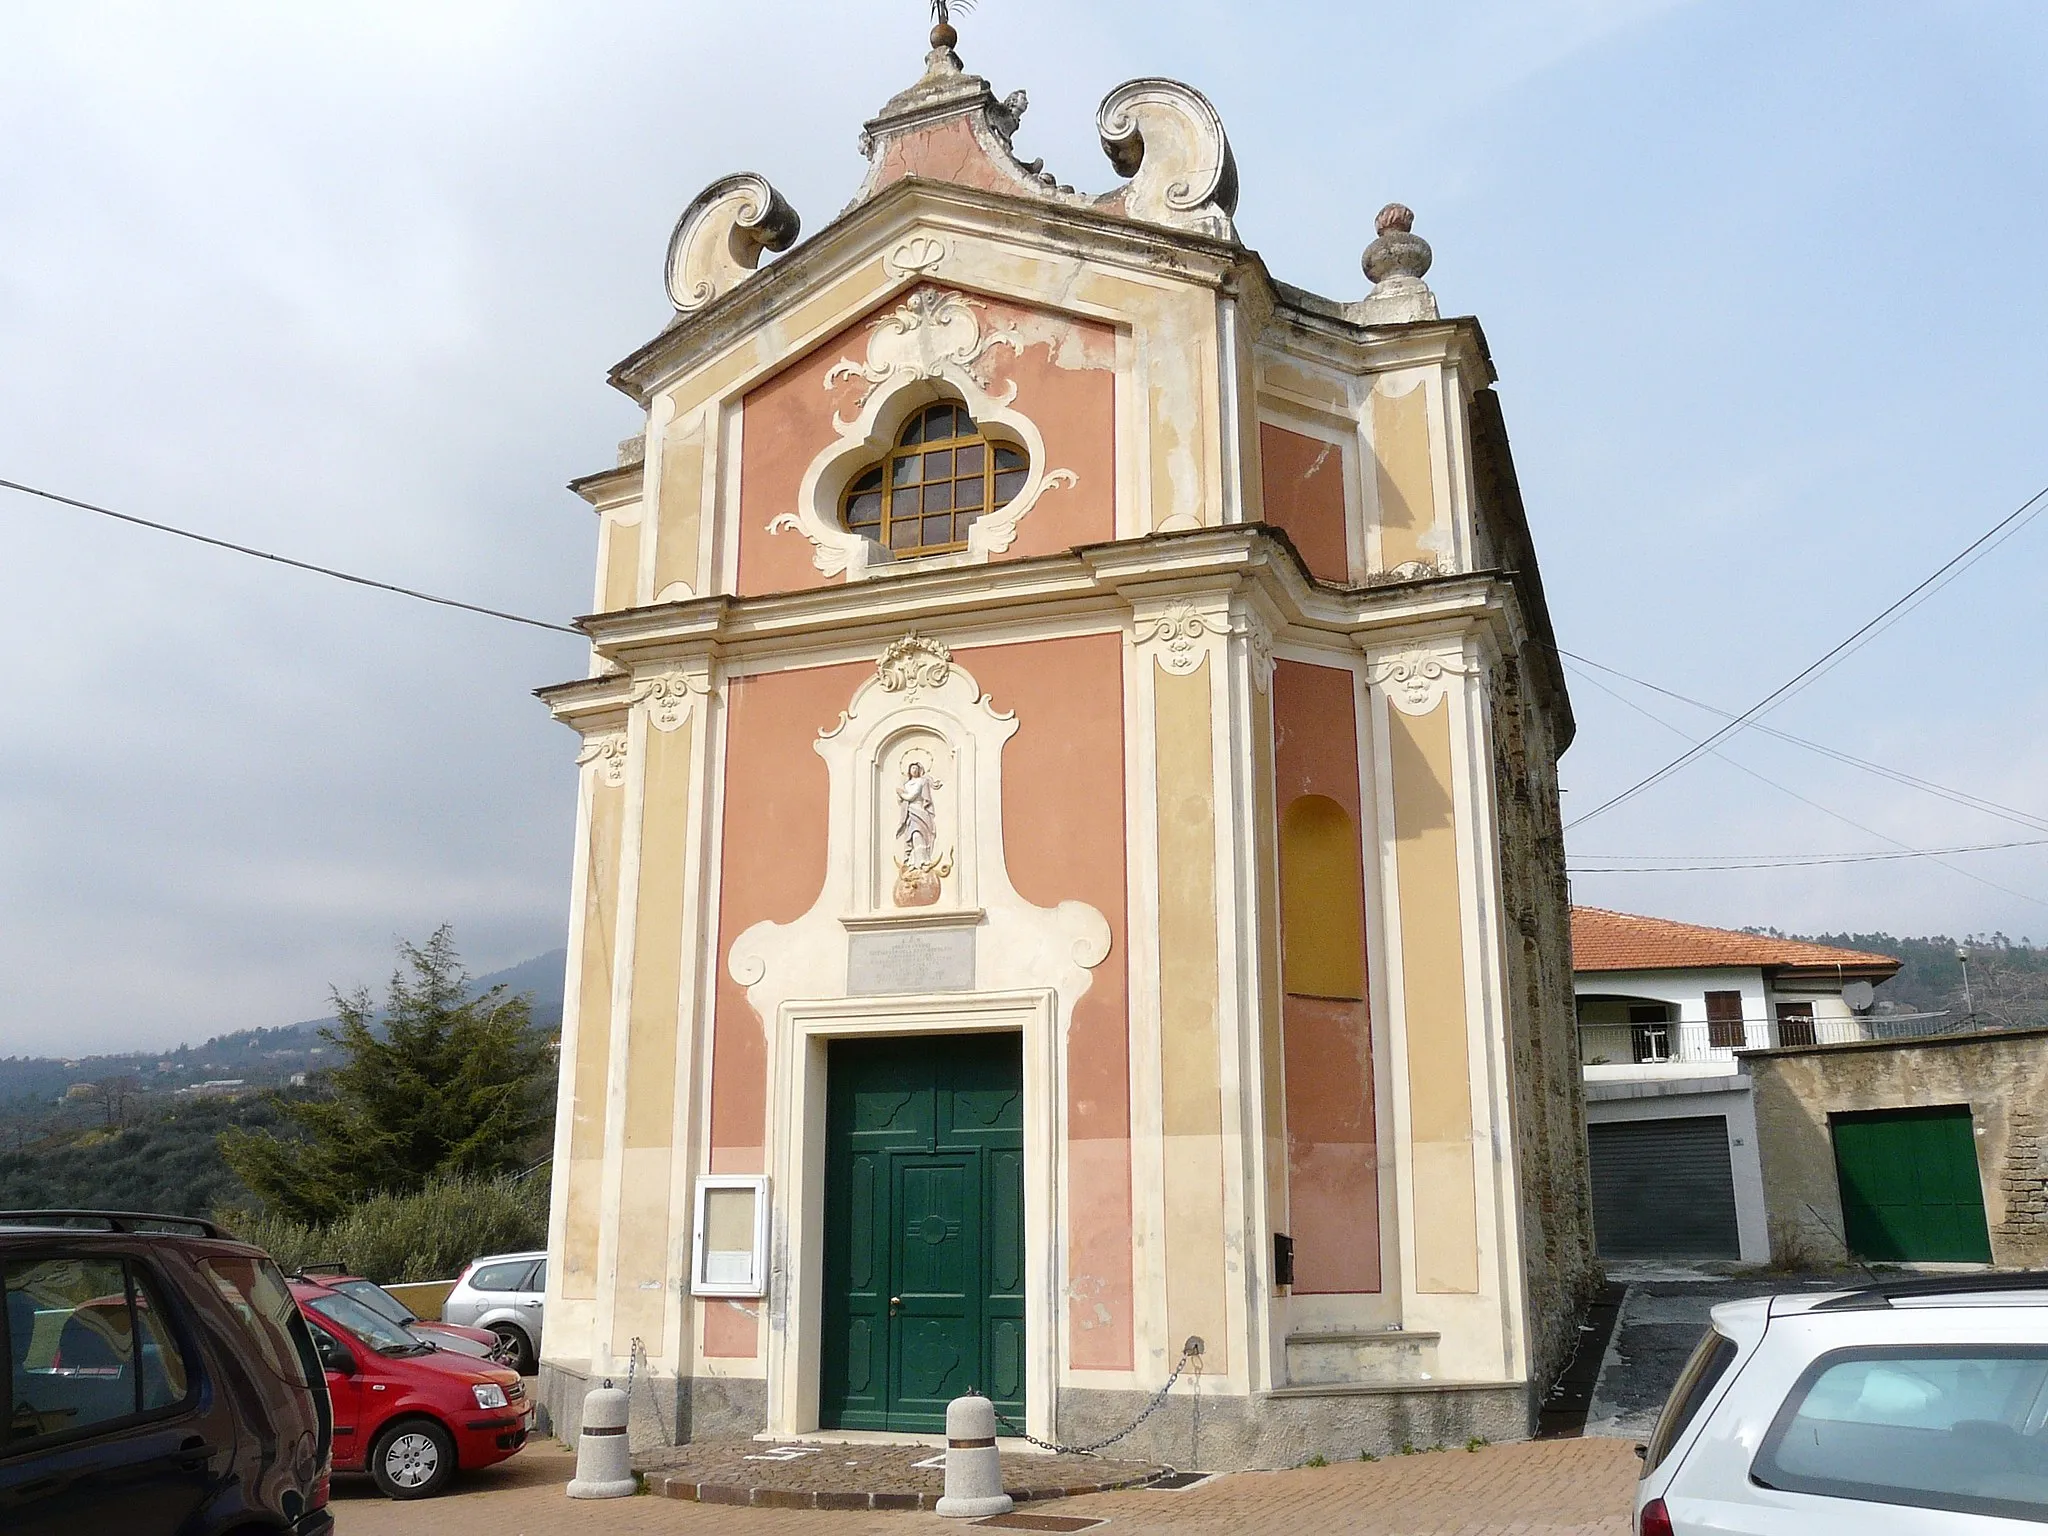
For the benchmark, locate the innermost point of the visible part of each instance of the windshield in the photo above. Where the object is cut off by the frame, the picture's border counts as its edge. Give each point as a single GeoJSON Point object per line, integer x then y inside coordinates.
{"type": "Point", "coordinates": [377, 1299]}
{"type": "Point", "coordinates": [380, 1333]}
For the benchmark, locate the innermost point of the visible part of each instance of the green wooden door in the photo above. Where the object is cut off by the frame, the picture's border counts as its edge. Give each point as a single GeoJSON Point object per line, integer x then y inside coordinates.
{"type": "Point", "coordinates": [924, 1230]}
{"type": "Point", "coordinates": [1910, 1190]}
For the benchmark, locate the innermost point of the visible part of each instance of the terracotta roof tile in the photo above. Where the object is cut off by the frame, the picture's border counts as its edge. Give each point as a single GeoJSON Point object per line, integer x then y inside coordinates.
{"type": "Point", "coordinates": [1621, 941]}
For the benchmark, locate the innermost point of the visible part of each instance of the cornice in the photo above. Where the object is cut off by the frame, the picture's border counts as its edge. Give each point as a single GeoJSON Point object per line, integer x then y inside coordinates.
{"type": "Point", "coordinates": [609, 487]}
{"type": "Point", "coordinates": [1366, 349]}
{"type": "Point", "coordinates": [694, 339]}
{"type": "Point", "coordinates": [1097, 586]}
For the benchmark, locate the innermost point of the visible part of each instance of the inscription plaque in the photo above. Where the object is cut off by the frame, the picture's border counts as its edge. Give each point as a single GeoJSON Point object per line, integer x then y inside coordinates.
{"type": "Point", "coordinates": [915, 960]}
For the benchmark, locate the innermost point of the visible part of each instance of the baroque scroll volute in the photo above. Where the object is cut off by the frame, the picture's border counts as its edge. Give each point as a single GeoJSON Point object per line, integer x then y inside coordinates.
{"type": "Point", "coordinates": [718, 241]}
{"type": "Point", "coordinates": [1168, 139]}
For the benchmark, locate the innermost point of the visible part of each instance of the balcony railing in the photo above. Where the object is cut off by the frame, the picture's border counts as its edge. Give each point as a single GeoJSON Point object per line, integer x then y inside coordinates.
{"type": "Point", "coordinates": [1620, 1045]}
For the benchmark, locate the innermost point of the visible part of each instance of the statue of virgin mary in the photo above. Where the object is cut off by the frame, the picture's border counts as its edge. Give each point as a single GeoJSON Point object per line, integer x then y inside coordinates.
{"type": "Point", "coordinates": [917, 829]}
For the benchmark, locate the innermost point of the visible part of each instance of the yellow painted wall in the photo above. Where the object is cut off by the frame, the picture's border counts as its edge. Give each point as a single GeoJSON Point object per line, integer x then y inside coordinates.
{"type": "Point", "coordinates": [593, 1043]}
{"type": "Point", "coordinates": [1407, 488]}
{"type": "Point", "coordinates": [1433, 990]}
{"type": "Point", "coordinates": [681, 511]}
{"type": "Point", "coordinates": [1188, 986]}
{"type": "Point", "coordinates": [621, 565]}
{"type": "Point", "coordinates": [639, 1305]}
{"type": "Point", "coordinates": [1322, 900]}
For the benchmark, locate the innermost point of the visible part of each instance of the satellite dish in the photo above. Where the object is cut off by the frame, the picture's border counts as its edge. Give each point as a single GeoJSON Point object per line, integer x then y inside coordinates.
{"type": "Point", "coordinates": [1858, 995]}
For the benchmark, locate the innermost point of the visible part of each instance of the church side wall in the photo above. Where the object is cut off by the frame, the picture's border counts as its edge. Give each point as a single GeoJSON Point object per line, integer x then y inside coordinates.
{"type": "Point", "coordinates": [1547, 1104]}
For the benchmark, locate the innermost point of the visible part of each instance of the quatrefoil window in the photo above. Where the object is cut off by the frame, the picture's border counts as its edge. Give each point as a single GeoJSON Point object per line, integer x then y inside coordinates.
{"type": "Point", "coordinates": [941, 476]}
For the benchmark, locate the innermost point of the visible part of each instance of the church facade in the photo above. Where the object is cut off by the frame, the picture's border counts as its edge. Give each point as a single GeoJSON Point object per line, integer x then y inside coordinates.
{"type": "Point", "coordinates": [1068, 889]}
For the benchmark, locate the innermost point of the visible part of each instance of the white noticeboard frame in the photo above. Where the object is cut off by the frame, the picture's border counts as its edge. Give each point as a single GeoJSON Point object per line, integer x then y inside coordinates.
{"type": "Point", "coordinates": [729, 1243]}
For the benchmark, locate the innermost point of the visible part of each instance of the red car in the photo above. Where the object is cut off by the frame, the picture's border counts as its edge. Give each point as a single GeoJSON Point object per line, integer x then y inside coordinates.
{"type": "Point", "coordinates": [409, 1414]}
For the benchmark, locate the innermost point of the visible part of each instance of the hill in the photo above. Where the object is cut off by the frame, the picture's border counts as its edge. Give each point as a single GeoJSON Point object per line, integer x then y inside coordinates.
{"type": "Point", "coordinates": [254, 1058]}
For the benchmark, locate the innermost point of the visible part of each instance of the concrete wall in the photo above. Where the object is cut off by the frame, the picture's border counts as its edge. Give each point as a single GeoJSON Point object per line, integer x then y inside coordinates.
{"type": "Point", "coordinates": [2004, 1080]}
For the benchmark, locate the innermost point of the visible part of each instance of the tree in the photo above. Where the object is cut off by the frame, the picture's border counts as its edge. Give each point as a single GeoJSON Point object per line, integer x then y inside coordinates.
{"type": "Point", "coordinates": [114, 1096]}
{"type": "Point", "coordinates": [451, 1084]}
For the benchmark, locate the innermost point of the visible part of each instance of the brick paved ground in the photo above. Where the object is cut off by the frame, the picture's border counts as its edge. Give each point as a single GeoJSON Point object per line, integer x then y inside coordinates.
{"type": "Point", "coordinates": [857, 1476]}
{"type": "Point", "coordinates": [1550, 1488]}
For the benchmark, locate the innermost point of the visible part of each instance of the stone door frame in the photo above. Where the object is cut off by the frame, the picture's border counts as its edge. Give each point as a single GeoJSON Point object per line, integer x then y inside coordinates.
{"type": "Point", "coordinates": [797, 1101]}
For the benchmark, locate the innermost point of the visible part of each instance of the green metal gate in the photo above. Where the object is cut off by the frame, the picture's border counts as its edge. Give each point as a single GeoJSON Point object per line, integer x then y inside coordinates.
{"type": "Point", "coordinates": [1910, 1190]}
{"type": "Point", "coordinates": [924, 1230]}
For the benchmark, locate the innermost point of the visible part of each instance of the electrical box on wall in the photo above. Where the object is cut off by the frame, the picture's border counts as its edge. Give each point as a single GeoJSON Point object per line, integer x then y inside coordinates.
{"type": "Point", "coordinates": [729, 1246]}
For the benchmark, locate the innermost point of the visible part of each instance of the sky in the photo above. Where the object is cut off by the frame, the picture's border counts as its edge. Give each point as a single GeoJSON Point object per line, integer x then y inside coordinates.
{"type": "Point", "coordinates": [1762, 283]}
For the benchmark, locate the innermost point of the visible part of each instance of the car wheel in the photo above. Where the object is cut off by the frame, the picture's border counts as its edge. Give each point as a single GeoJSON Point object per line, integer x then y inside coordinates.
{"type": "Point", "coordinates": [413, 1459]}
{"type": "Point", "coordinates": [514, 1348]}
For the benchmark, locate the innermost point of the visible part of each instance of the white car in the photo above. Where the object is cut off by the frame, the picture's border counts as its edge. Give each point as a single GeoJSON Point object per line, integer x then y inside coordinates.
{"type": "Point", "coordinates": [502, 1292]}
{"type": "Point", "coordinates": [1901, 1409]}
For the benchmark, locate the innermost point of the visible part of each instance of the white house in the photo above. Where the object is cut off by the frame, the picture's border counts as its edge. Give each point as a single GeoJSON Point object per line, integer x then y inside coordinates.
{"type": "Point", "coordinates": [1663, 1008]}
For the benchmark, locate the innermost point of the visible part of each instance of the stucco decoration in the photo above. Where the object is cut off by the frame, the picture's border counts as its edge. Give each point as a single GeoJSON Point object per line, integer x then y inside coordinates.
{"type": "Point", "coordinates": [919, 256]}
{"type": "Point", "coordinates": [667, 697]}
{"type": "Point", "coordinates": [912, 665]}
{"type": "Point", "coordinates": [718, 242]}
{"type": "Point", "coordinates": [1175, 633]}
{"type": "Point", "coordinates": [1180, 633]}
{"type": "Point", "coordinates": [1415, 680]}
{"type": "Point", "coordinates": [608, 752]}
{"type": "Point", "coordinates": [1169, 141]}
{"type": "Point", "coordinates": [953, 736]}
{"type": "Point", "coordinates": [1259, 637]}
{"type": "Point", "coordinates": [932, 344]}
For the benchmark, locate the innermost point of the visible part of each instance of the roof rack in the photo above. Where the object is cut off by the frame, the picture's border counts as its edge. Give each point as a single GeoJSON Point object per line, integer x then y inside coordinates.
{"type": "Point", "coordinates": [330, 1267]}
{"type": "Point", "coordinates": [115, 1221]}
{"type": "Point", "coordinates": [1883, 1292]}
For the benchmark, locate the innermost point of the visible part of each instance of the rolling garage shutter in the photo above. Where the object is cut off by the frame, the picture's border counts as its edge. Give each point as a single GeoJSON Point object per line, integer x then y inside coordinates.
{"type": "Point", "coordinates": [1663, 1189]}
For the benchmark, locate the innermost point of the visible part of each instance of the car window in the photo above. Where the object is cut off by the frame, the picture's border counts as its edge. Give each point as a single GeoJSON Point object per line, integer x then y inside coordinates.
{"type": "Point", "coordinates": [502, 1277]}
{"type": "Point", "coordinates": [82, 1350]}
{"type": "Point", "coordinates": [334, 1355]}
{"type": "Point", "coordinates": [1935, 1427]}
{"type": "Point", "coordinates": [1696, 1383]}
{"type": "Point", "coordinates": [377, 1299]}
{"type": "Point", "coordinates": [538, 1280]}
{"type": "Point", "coordinates": [256, 1293]}
{"type": "Point", "coordinates": [380, 1333]}
{"type": "Point", "coordinates": [164, 1381]}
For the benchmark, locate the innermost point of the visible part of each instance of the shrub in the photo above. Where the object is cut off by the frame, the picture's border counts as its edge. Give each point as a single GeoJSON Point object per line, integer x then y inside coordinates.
{"type": "Point", "coordinates": [428, 1235]}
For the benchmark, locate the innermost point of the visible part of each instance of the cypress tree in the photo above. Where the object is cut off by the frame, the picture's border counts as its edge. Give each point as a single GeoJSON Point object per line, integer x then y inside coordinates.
{"type": "Point", "coordinates": [451, 1084]}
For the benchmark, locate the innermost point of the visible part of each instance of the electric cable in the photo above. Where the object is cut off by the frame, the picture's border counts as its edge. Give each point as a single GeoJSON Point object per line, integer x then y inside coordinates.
{"type": "Point", "coordinates": [1897, 776]}
{"type": "Point", "coordinates": [1885, 837]}
{"type": "Point", "coordinates": [2012, 521]}
{"type": "Point", "coordinates": [297, 565]}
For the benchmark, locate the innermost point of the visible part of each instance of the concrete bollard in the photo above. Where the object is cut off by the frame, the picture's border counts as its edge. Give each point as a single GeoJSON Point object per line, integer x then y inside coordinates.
{"type": "Point", "coordinates": [604, 1458]}
{"type": "Point", "coordinates": [974, 1468]}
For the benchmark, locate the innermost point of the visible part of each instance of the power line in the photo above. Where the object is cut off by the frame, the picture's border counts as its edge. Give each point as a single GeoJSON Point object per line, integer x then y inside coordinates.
{"type": "Point", "coordinates": [1959, 797]}
{"type": "Point", "coordinates": [1638, 864]}
{"type": "Point", "coordinates": [2012, 520]}
{"type": "Point", "coordinates": [297, 565]}
{"type": "Point", "coordinates": [1850, 821]}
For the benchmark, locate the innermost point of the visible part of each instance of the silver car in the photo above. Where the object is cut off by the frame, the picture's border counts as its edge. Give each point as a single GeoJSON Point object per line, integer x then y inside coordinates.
{"type": "Point", "coordinates": [502, 1292]}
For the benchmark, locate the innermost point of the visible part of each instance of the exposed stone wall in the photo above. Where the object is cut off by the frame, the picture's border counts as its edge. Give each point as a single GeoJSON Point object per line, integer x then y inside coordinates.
{"type": "Point", "coordinates": [2002, 1077]}
{"type": "Point", "coordinates": [1559, 1267]}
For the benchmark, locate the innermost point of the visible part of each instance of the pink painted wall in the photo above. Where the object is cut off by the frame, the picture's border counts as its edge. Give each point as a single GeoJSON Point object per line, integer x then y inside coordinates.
{"type": "Point", "coordinates": [1066, 383]}
{"type": "Point", "coordinates": [1303, 480]}
{"type": "Point", "coordinates": [1332, 1140]}
{"type": "Point", "coordinates": [1063, 837]}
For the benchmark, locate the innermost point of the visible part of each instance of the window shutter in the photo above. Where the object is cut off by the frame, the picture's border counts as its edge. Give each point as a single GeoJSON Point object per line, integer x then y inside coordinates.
{"type": "Point", "coordinates": [1724, 1020]}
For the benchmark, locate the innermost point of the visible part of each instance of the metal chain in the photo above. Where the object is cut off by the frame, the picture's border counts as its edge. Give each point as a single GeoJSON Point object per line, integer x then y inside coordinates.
{"type": "Point", "coordinates": [1098, 1445]}
{"type": "Point", "coordinates": [634, 1356]}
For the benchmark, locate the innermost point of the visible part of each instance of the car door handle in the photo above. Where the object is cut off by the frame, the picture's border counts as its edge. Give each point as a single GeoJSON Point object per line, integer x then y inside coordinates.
{"type": "Point", "coordinates": [194, 1454]}
{"type": "Point", "coordinates": [534, 1303]}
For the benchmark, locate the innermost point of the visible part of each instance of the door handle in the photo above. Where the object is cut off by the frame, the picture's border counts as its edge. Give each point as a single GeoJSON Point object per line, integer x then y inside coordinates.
{"type": "Point", "coordinates": [194, 1454]}
{"type": "Point", "coordinates": [894, 1303]}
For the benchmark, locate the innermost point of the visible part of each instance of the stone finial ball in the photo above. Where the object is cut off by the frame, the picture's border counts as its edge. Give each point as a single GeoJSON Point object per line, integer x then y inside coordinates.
{"type": "Point", "coordinates": [1394, 216]}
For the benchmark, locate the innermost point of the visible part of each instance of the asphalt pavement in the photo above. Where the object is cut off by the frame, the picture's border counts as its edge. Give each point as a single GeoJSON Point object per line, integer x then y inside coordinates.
{"type": "Point", "coordinates": [1662, 1316]}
